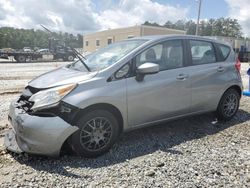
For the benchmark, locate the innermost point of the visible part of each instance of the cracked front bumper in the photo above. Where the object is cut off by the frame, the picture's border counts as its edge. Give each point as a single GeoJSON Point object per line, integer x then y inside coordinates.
{"type": "Point", "coordinates": [35, 134]}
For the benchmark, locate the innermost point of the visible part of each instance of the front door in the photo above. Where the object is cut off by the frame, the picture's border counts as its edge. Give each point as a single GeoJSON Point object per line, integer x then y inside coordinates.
{"type": "Point", "coordinates": [162, 95]}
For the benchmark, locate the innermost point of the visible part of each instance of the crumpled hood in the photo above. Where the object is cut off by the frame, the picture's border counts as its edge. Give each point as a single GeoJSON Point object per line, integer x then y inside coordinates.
{"type": "Point", "coordinates": [60, 76]}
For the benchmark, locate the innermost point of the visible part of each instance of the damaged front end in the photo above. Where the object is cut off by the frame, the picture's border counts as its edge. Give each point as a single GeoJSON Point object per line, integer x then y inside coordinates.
{"type": "Point", "coordinates": [41, 131]}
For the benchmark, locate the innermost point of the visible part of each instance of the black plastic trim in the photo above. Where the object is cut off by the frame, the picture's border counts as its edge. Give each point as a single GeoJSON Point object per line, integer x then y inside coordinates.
{"type": "Point", "coordinates": [57, 111]}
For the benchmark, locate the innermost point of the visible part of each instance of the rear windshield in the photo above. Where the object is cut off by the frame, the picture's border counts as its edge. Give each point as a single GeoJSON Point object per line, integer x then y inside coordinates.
{"type": "Point", "coordinates": [225, 50]}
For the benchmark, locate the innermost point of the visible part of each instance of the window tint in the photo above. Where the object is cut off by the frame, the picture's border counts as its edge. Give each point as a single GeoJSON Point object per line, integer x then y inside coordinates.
{"type": "Point", "coordinates": [167, 55]}
{"type": "Point", "coordinates": [225, 50]}
{"type": "Point", "coordinates": [173, 54]}
{"type": "Point", "coordinates": [202, 52]}
{"type": "Point", "coordinates": [152, 55]}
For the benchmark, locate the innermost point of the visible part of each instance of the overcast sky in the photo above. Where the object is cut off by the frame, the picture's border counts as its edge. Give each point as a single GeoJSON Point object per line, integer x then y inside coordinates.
{"type": "Point", "coordinates": [84, 16]}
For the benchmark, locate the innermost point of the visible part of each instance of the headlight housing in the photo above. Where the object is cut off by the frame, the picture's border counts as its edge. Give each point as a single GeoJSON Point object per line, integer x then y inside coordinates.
{"type": "Point", "coordinates": [50, 97]}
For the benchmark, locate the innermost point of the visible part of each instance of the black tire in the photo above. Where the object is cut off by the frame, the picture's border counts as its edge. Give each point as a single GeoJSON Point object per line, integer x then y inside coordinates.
{"type": "Point", "coordinates": [228, 105]}
{"type": "Point", "coordinates": [86, 133]}
{"type": "Point", "coordinates": [21, 58]}
{"type": "Point", "coordinates": [70, 58]}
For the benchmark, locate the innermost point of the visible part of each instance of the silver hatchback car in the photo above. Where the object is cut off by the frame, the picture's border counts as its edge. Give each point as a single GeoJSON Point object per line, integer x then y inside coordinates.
{"type": "Point", "coordinates": [87, 104]}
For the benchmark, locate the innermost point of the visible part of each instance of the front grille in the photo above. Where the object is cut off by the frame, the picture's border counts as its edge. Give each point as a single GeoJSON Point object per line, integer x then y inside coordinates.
{"type": "Point", "coordinates": [25, 104]}
{"type": "Point", "coordinates": [23, 101]}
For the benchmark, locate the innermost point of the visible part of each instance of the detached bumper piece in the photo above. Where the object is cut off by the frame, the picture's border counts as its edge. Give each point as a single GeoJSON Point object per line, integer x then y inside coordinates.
{"type": "Point", "coordinates": [11, 143]}
{"type": "Point", "coordinates": [36, 134]}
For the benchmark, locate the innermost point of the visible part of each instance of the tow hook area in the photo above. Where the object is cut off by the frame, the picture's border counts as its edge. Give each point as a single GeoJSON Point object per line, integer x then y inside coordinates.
{"type": "Point", "coordinates": [10, 142]}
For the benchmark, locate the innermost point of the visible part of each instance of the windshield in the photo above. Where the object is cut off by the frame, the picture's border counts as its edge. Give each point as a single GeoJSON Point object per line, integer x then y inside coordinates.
{"type": "Point", "coordinates": [107, 56]}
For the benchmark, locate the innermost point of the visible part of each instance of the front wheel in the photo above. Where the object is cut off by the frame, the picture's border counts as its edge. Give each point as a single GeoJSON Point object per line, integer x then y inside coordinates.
{"type": "Point", "coordinates": [70, 58]}
{"type": "Point", "coordinates": [228, 105]}
{"type": "Point", "coordinates": [98, 131]}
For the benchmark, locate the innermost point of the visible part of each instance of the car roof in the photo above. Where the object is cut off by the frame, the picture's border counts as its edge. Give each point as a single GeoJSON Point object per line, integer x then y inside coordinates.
{"type": "Point", "coordinates": [163, 37]}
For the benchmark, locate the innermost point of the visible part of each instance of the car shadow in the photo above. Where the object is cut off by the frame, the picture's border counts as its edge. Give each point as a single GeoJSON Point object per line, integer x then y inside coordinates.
{"type": "Point", "coordinates": [162, 137]}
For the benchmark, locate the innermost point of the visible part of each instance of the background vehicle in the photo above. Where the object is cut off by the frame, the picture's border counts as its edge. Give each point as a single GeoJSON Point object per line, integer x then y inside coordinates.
{"type": "Point", "coordinates": [58, 52]}
{"type": "Point", "coordinates": [244, 56]}
{"type": "Point", "coordinates": [57, 49]}
{"type": "Point", "coordinates": [44, 51]}
{"type": "Point", "coordinates": [27, 49]}
{"type": "Point", "coordinates": [126, 85]}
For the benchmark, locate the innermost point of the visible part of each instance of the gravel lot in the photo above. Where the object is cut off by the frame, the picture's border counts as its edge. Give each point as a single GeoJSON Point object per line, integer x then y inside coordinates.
{"type": "Point", "coordinates": [192, 152]}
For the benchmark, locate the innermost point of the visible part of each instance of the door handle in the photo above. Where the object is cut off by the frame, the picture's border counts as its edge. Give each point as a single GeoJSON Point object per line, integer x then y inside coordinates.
{"type": "Point", "coordinates": [220, 69]}
{"type": "Point", "coordinates": [182, 77]}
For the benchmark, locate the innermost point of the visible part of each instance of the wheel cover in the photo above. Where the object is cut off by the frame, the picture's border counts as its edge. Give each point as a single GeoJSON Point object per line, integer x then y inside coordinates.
{"type": "Point", "coordinates": [21, 58]}
{"type": "Point", "coordinates": [70, 58]}
{"type": "Point", "coordinates": [96, 134]}
{"type": "Point", "coordinates": [230, 105]}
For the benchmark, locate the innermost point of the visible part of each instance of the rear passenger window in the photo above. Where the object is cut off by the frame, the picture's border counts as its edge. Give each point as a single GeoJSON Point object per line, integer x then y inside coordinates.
{"type": "Point", "coordinates": [225, 50]}
{"type": "Point", "coordinates": [202, 52]}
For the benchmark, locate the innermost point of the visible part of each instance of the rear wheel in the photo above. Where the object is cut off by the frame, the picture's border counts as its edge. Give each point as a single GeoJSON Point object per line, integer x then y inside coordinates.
{"type": "Point", "coordinates": [21, 58]}
{"type": "Point", "coordinates": [98, 131]}
{"type": "Point", "coordinates": [229, 105]}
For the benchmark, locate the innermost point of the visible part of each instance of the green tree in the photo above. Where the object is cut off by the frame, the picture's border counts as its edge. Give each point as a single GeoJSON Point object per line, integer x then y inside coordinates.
{"type": "Point", "coordinates": [180, 25]}
{"type": "Point", "coordinates": [190, 27]}
{"type": "Point", "coordinates": [151, 24]}
{"type": "Point", "coordinates": [213, 27]}
{"type": "Point", "coordinates": [19, 38]}
{"type": "Point", "coordinates": [169, 24]}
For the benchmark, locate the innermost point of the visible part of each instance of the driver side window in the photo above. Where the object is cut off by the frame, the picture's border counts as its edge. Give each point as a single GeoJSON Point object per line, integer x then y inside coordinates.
{"type": "Point", "coordinates": [168, 55]}
{"type": "Point", "coordinates": [151, 55]}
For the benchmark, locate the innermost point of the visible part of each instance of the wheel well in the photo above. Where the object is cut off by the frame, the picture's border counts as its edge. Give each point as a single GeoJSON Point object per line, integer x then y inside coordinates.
{"type": "Point", "coordinates": [65, 148]}
{"type": "Point", "coordinates": [237, 88]}
{"type": "Point", "coordinates": [103, 106]}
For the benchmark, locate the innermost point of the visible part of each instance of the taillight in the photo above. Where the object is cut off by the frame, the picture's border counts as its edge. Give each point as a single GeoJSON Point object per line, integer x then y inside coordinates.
{"type": "Point", "coordinates": [237, 64]}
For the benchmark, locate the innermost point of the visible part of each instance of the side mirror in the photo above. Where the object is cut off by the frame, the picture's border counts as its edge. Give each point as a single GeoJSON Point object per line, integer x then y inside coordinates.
{"type": "Point", "coordinates": [146, 68]}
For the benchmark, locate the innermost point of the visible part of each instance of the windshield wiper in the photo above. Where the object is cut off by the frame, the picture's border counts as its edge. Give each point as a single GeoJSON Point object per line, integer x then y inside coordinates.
{"type": "Point", "coordinates": [81, 58]}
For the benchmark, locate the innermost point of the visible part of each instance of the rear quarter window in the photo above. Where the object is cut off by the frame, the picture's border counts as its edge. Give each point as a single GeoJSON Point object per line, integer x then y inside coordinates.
{"type": "Point", "coordinates": [225, 51]}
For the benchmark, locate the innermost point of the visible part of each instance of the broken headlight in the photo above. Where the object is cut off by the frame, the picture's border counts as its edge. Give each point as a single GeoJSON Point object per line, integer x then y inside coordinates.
{"type": "Point", "coordinates": [50, 97]}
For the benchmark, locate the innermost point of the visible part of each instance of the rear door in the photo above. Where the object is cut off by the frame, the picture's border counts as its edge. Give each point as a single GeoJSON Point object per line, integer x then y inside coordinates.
{"type": "Point", "coordinates": [207, 74]}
